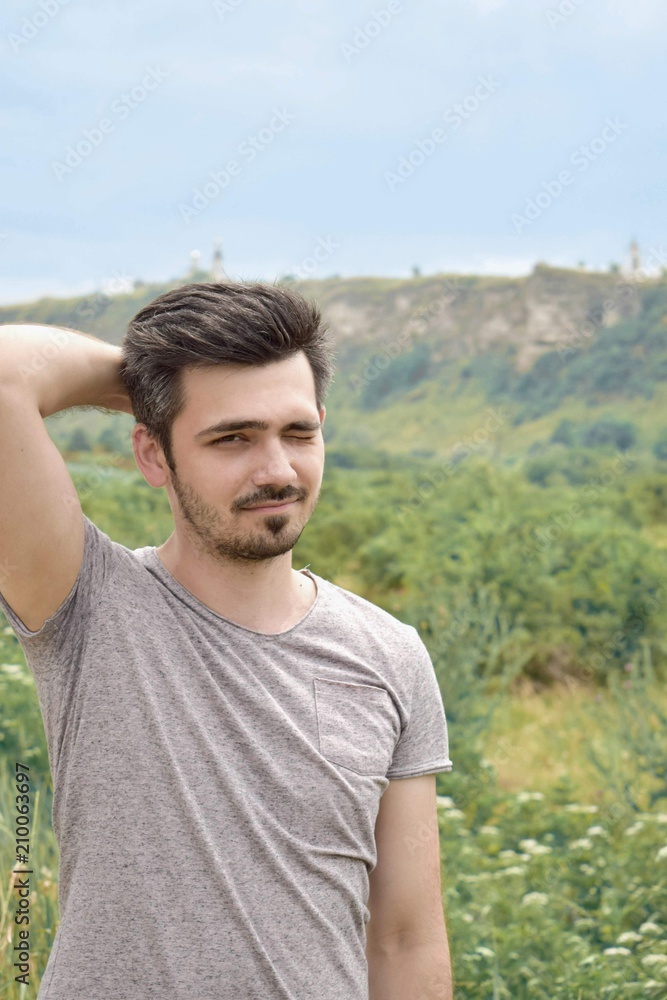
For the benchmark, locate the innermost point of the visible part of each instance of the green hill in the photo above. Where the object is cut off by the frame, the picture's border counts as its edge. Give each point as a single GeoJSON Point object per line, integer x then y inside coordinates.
{"type": "Point", "coordinates": [505, 364]}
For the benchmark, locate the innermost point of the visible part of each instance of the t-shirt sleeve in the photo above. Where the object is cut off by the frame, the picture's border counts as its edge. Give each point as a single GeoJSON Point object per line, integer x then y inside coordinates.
{"type": "Point", "coordinates": [55, 654]}
{"type": "Point", "coordinates": [423, 746]}
{"type": "Point", "coordinates": [53, 647]}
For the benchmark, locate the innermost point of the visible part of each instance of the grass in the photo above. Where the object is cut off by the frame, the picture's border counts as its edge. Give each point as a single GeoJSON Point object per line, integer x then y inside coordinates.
{"type": "Point", "coordinates": [553, 730]}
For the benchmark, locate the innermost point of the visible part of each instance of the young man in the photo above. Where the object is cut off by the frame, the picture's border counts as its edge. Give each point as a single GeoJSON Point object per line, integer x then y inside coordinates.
{"type": "Point", "coordinates": [243, 755]}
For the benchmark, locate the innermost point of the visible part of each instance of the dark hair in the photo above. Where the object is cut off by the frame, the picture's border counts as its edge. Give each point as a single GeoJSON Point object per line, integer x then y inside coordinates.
{"type": "Point", "coordinates": [215, 323]}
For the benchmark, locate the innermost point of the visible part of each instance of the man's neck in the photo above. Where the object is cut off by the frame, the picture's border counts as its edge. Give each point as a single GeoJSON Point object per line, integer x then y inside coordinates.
{"type": "Point", "coordinates": [267, 596]}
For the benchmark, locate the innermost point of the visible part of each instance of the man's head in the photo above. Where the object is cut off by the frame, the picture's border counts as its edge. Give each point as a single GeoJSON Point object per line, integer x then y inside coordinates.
{"type": "Point", "coordinates": [215, 323]}
{"type": "Point", "coordinates": [209, 354]}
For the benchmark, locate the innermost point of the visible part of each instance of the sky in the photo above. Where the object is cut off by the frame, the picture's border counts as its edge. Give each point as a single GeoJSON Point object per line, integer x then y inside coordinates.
{"type": "Point", "coordinates": [322, 137]}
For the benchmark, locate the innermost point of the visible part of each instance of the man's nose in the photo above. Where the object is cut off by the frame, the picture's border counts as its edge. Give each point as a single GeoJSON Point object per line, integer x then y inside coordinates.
{"type": "Point", "coordinates": [274, 466]}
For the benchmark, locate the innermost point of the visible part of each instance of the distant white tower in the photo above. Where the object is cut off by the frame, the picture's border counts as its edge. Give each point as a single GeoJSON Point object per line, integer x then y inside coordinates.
{"type": "Point", "coordinates": [195, 257]}
{"type": "Point", "coordinates": [635, 259]}
{"type": "Point", "coordinates": [218, 271]}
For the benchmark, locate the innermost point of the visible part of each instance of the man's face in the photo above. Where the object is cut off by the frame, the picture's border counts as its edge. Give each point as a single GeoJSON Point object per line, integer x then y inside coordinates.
{"type": "Point", "coordinates": [221, 473]}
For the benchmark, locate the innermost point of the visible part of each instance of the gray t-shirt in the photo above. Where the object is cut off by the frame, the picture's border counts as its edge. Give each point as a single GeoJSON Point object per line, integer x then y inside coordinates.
{"type": "Point", "coordinates": [216, 788]}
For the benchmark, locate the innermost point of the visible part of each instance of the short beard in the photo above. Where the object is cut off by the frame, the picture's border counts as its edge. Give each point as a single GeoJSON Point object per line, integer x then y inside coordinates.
{"type": "Point", "coordinates": [203, 528]}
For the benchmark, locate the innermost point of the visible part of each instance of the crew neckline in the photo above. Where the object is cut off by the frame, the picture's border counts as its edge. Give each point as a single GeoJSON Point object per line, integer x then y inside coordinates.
{"type": "Point", "coordinates": [199, 605]}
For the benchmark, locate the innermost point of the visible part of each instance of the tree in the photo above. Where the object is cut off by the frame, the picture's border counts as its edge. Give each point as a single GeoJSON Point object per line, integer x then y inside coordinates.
{"type": "Point", "coordinates": [79, 440]}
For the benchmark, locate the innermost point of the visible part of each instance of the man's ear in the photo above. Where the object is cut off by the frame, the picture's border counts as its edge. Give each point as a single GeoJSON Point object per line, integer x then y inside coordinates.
{"type": "Point", "coordinates": [149, 457]}
{"type": "Point", "coordinates": [323, 413]}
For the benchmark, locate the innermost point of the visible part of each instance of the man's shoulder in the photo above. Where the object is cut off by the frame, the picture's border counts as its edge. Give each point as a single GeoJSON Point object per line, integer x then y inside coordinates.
{"type": "Point", "coordinates": [358, 610]}
{"type": "Point", "coordinates": [106, 557]}
{"type": "Point", "coordinates": [98, 537]}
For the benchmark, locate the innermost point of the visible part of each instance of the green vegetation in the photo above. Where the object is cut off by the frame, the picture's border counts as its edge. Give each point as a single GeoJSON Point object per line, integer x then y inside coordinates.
{"type": "Point", "coordinates": [518, 519]}
{"type": "Point", "coordinates": [626, 361]}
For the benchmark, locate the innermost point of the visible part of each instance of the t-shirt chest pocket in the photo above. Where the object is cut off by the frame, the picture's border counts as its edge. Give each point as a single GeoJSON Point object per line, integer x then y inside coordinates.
{"type": "Point", "coordinates": [358, 725]}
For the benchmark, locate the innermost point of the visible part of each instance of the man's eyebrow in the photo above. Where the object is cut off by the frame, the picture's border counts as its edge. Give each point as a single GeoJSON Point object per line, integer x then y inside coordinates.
{"type": "Point", "coordinates": [256, 425]}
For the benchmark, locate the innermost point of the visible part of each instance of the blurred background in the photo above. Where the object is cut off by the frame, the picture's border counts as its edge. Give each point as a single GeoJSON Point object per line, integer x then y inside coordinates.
{"type": "Point", "coordinates": [474, 193]}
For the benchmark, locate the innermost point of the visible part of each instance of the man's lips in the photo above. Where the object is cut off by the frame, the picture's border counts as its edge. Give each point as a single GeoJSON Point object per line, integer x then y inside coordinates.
{"type": "Point", "coordinates": [271, 506]}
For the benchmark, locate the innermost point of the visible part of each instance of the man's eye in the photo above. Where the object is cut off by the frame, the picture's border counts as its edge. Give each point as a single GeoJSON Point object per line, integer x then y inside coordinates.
{"type": "Point", "coordinates": [230, 437]}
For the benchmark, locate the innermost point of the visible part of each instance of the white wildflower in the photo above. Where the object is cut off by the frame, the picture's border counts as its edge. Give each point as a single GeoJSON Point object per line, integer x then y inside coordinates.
{"type": "Point", "coordinates": [635, 828]}
{"type": "Point", "coordinates": [489, 831]}
{"type": "Point", "coordinates": [468, 917]}
{"type": "Point", "coordinates": [596, 831]}
{"type": "Point", "coordinates": [648, 927]}
{"type": "Point", "coordinates": [532, 847]}
{"type": "Point", "coordinates": [445, 801]}
{"type": "Point", "coordinates": [575, 807]}
{"type": "Point", "coordinates": [617, 951]}
{"type": "Point", "coordinates": [529, 797]}
{"type": "Point", "coordinates": [512, 870]}
{"type": "Point", "coordinates": [652, 817]}
{"type": "Point", "coordinates": [538, 898]}
{"type": "Point", "coordinates": [589, 960]}
{"type": "Point", "coordinates": [12, 669]}
{"type": "Point", "coordinates": [485, 952]}
{"type": "Point", "coordinates": [662, 853]}
{"type": "Point", "coordinates": [583, 843]}
{"type": "Point", "coordinates": [654, 960]}
{"type": "Point", "coordinates": [629, 937]}
{"type": "Point", "coordinates": [507, 854]}
{"type": "Point", "coordinates": [454, 814]}
{"type": "Point", "coordinates": [587, 869]}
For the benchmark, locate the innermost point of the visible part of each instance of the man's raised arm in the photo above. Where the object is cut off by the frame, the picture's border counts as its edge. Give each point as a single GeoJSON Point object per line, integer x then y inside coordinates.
{"type": "Point", "coordinates": [45, 369]}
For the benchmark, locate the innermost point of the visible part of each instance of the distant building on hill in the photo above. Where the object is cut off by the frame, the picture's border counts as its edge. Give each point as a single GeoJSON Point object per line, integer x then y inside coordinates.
{"type": "Point", "coordinates": [633, 268]}
{"type": "Point", "coordinates": [217, 272]}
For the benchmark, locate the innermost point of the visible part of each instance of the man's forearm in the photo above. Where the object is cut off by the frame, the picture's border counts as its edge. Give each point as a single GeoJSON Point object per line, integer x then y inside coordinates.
{"type": "Point", "coordinates": [61, 368]}
{"type": "Point", "coordinates": [420, 972]}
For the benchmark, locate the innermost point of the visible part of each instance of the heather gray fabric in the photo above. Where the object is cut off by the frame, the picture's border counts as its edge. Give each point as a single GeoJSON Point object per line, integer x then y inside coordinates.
{"type": "Point", "coordinates": [216, 788]}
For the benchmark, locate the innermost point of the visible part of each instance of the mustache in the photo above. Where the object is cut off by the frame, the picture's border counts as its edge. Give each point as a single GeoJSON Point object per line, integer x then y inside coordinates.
{"type": "Point", "coordinates": [265, 497]}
